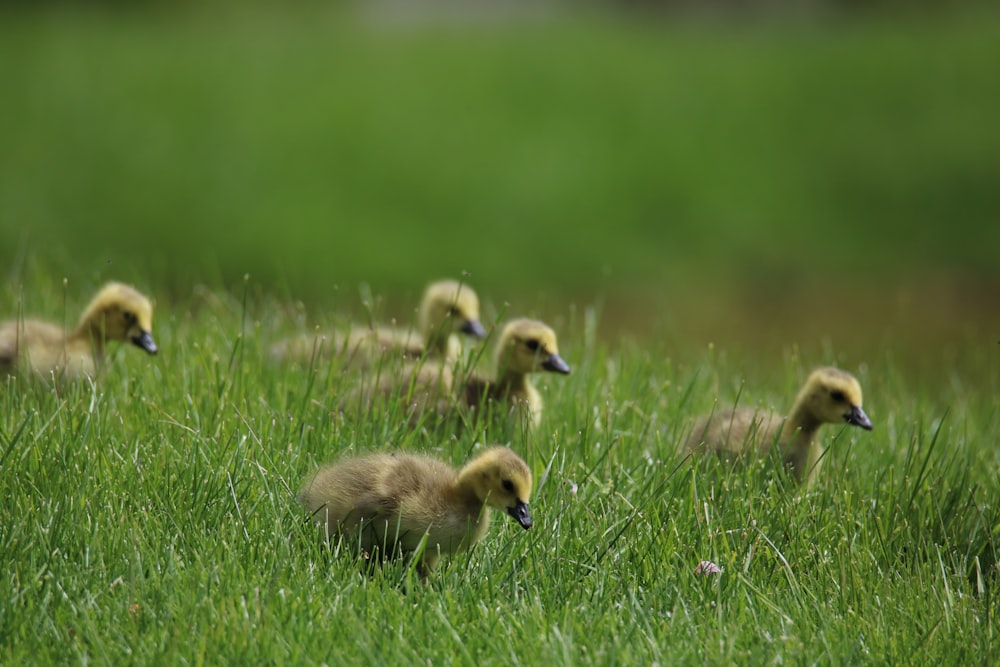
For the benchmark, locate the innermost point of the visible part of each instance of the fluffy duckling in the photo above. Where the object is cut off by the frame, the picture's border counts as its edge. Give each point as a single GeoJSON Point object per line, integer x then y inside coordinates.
{"type": "Point", "coordinates": [118, 312]}
{"type": "Point", "coordinates": [829, 396]}
{"type": "Point", "coordinates": [448, 307]}
{"type": "Point", "coordinates": [525, 346]}
{"type": "Point", "coordinates": [389, 502]}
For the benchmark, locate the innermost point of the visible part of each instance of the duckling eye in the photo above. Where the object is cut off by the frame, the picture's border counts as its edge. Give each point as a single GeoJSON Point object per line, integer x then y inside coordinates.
{"type": "Point", "coordinates": [838, 396]}
{"type": "Point", "coordinates": [453, 312]}
{"type": "Point", "coordinates": [532, 344]}
{"type": "Point", "coordinates": [507, 485]}
{"type": "Point", "coordinates": [129, 317]}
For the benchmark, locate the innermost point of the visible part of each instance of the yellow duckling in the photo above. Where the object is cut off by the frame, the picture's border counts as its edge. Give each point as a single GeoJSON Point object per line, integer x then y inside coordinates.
{"type": "Point", "coordinates": [830, 396]}
{"type": "Point", "coordinates": [389, 502]}
{"type": "Point", "coordinates": [525, 346]}
{"type": "Point", "coordinates": [118, 313]}
{"type": "Point", "coordinates": [448, 307]}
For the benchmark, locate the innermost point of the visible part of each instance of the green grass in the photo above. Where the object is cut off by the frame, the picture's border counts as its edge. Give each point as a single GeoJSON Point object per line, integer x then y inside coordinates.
{"type": "Point", "coordinates": [150, 518]}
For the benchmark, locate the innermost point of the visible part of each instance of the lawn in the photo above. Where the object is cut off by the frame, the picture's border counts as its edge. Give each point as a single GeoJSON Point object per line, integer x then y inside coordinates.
{"type": "Point", "coordinates": [151, 518]}
{"type": "Point", "coordinates": [703, 212]}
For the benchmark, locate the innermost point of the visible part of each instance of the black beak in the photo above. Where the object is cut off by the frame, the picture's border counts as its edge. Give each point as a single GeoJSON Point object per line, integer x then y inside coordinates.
{"type": "Point", "coordinates": [556, 364]}
{"type": "Point", "coordinates": [521, 513]}
{"type": "Point", "coordinates": [473, 328]}
{"type": "Point", "coordinates": [857, 417]}
{"type": "Point", "coordinates": [146, 342]}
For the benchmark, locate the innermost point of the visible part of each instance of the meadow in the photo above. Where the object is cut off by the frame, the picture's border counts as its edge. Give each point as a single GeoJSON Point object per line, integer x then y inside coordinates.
{"type": "Point", "coordinates": [703, 212]}
{"type": "Point", "coordinates": [151, 519]}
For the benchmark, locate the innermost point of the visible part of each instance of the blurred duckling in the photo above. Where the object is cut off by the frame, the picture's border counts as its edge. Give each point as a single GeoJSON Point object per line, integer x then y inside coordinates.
{"type": "Point", "coordinates": [829, 396]}
{"type": "Point", "coordinates": [419, 387]}
{"type": "Point", "coordinates": [388, 503]}
{"type": "Point", "coordinates": [448, 308]}
{"type": "Point", "coordinates": [118, 312]}
{"type": "Point", "coordinates": [525, 346]}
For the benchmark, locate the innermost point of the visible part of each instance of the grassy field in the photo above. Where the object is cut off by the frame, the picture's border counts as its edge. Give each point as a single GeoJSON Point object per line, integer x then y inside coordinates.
{"type": "Point", "coordinates": [702, 211]}
{"type": "Point", "coordinates": [151, 518]}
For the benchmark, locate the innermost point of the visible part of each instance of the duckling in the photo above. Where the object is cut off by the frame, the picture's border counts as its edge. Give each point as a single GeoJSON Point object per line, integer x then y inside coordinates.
{"type": "Point", "coordinates": [448, 307]}
{"type": "Point", "coordinates": [421, 386]}
{"type": "Point", "coordinates": [525, 346]}
{"type": "Point", "coordinates": [118, 312]}
{"type": "Point", "coordinates": [389, 502]}
{"type": "Point", "coordinates": [829, 396]}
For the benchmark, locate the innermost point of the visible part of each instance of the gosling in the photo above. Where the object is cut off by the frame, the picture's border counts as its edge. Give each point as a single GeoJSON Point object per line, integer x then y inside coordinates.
{"type": "Point", "coordinates": [448, 307]}
{"type": "Point", "coordinates": [118, 312]}
{"type": "Point", "coordinates": [418, 387]}
{"type": "Point", "coordinates": [525, 346]}
{"type": "Point", "coordinates": [830, 396]}
{"type": "Point", "coordinates": [386, 504]}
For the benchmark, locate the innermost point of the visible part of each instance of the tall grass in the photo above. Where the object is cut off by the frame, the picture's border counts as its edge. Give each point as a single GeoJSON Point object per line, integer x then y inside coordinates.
{"type": "Point", "coordinates": [150, 517]}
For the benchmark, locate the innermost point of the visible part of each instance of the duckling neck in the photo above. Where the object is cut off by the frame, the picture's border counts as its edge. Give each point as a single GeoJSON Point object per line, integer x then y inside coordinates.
{"type": "Point", "coordinates": [513, 383]}
{"type": "Point", "coordinates": [442, 345]}
{"type": "Point", "coordinates": [90, 331]}
{"type": "Point", "coordinates": [800, 450]}
{"type": "Point", "coordinates": [464, 495]}
{"type": "Point", "coordinates": [518, 391]}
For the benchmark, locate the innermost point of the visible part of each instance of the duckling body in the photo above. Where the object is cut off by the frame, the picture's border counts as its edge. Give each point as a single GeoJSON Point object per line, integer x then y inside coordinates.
{"type": "Point", "coordinates": [829, 396]}
{"type": "Point", "coordinates": [118, 312]}
{"type": "Point", "coordinates": [448, 308]}
{"type": "Point", "coordinates": [389, 502]}
{"type": "Point", "coordinates": [525, 347]}
{"type": "Point", "coordinates": [422, 386]}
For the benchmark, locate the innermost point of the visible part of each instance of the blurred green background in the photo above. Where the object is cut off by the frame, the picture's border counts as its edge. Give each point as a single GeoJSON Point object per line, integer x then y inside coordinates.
{"type": "Point", "coordinates": [733, 175]}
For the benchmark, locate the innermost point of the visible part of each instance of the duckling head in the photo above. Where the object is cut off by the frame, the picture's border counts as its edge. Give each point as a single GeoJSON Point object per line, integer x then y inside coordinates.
{"type": "Point", "coordinates": [501, 479]}
{"type": "Point", "coordinates": [833, 396]}
{"type": "Point", "coordinates": [120, 312]}
{"type": "Point", "coordinates": [529, 346]}
{"type": "Point", "coordinates": [450, 307]}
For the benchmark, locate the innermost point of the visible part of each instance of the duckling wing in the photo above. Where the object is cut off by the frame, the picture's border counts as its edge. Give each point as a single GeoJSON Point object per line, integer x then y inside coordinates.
{"type": "Point", "coordinates": [379, 501]}
{"type": "Point", "coordinates": [353, 348]}
{"type": "Point", "coordinates": [398, 501]}
{"type": "Point", "coordinates": [426, 504]}
{"type": "Point", "coordinates": [407, 343]}
{"type": "Point", "coordinates": [420, 387]}
{"type": "Point", "coordinates": [343, 495]}
{"type": "Point", "coordinates": [735, 432]}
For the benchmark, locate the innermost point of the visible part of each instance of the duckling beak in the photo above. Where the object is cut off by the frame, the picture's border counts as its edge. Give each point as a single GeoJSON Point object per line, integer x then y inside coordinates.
{"type": "Point", "coordinates": [521, 513]}
{"type": "Point", "coordinates": [473, 328]}
{"type": "Point", "coordinates": [146, 342]}
{"type": "Point", "coordinates": [556, 364]}
{"type": "Point", "coordinates": [857, 417]}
